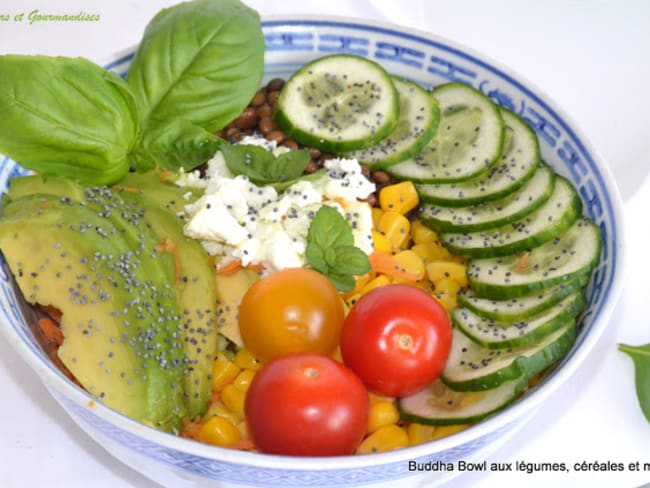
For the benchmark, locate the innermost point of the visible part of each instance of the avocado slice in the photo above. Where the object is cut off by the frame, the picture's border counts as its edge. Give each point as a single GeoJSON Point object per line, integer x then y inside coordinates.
{"type": "Point", "coordinates": [119, 316]}
{"type": "Point", "coordinates": [157, 204]}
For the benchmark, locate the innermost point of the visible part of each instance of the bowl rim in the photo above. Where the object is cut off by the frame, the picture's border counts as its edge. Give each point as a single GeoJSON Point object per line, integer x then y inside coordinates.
{"type": "Point", "coordinates": [525, 405]}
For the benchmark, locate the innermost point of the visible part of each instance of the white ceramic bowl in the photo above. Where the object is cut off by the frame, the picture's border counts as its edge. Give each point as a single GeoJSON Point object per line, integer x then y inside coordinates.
{"type": "Point", "coordinates": [428, 60]}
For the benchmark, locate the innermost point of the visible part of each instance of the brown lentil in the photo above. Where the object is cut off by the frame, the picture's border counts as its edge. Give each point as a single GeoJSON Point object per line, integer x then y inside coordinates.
{"type": "Point", "coordinates": [266, 125]}
{"type": "Point", "coordinates": [275, 135]}
{"type": "Point", "coordinates": [259, 98]}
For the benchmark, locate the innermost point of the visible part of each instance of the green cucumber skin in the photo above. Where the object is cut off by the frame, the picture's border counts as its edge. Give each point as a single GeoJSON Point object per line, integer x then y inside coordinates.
{"type": "Point", "coordinates": [466, 176]}
{"type": "Point", "coordinates": [429, 192]}
{"type": "Point", "coordinates": [507, 291]}
{"type": "Point", "coordinates": [418, 143]}
{"type": "Point", "coordinates": [556, 228]}
{"type": "Point", "coordinates": [522, 366]}
{"type": "Point", "coordinates": [530, 338]}
{"type": "Point", "coordinates": [330, 145]}
{"type": "Point", "coordinates": [560, 292]}
{"type": "Point", "coordinates": [521, 385]}
{"type": "Point", "coordinates": [441, 226]}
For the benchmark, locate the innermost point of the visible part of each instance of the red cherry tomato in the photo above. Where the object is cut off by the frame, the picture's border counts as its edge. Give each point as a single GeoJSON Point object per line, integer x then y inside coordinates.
{"type": "Point", "coordinates": [397, 339]}
{"type": "Point", "coordinates": [293, 310]}
{"type": "Point", "coordinates": [306, 404]}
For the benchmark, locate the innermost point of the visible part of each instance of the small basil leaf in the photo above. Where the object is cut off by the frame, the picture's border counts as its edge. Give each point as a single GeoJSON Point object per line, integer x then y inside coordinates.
{"type": "Point", "coordinates": [201, 61]}
{"type": "Point", "coordinates": [179, 144]}
{"type": "Point", "coordinates": [641, 358]}
{"type": "Point", "coordinates": [351, 260]}
{"type": "Point", "coordinates": [329, 229]}
{"type": "Point", "coordinates": [288, 166]}
{"type": "Point", "coordinates": [248, 160]}
{"type": "Point", "coordinates": [67, 117]}
{"type": "Point", "coordinates": [342, 282]}
{"type": "Point", "coordinates": [315, 256]}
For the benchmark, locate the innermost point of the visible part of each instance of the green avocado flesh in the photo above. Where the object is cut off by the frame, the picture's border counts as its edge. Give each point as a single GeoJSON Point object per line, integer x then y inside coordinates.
{"type": "Point", "coordinates": [138, 298]}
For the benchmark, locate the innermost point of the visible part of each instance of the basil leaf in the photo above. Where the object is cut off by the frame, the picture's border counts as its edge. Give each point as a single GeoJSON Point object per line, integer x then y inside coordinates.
{"type": "Point", "coordinates": [178, 144]}
{"type": "Point", "coordinates": [67, 117]}
{"type": "Point", "coordinates": [641, 358]}
{"type": "Point", "coordinates": [289, 166]}
{"type": "Point", "coordinates": [201, 61]}
{"type": "Point", "coordinates": [351, 260]}
{"type": "Point", "coordinates": [328, 251]}
{"type": "Point", "coordinates": [329, 229]}
{"type": "Point", "coordinates": [262, 167]}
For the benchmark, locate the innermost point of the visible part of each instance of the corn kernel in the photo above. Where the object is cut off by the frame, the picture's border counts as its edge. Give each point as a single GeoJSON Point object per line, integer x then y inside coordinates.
{"type": "Point", "coordinates": [411, 263]}
{"type": "Point", "coordinates": [243, 380]}
{"type": "Point", "coordinates": [384, 439]}
{"type": "Point", "coordinates": [439, 270]}
{"type": "Point", "coordinates": [421, 234]}
{"type": "Point", "coordinates": [420, 433]}
{"type": "Point", "coordinates": [382, 413]}
{"type": "Point", "coordinates": [233, 399]}
{"type": "Point", "coordinates": [224, 372]}
{"type": "Point", "coordinates": [218, 431]}
{"type": "Point", "coordinates": [401, 197]}
{"type": "Point", "coordinates": [396, 228]}
{"type": "Point", "coordinates": [446, 293]}
{"type": "Point", "coordinates": [245, 360]}
{"type": "Point", "coordinates": [376, 216]}
{"type": "Point", "coordinates": [219, 409]}
{"type": "Point", "coordinates": [380, 242]}
{"type": "Point", "coordinates": [375, 398]}
{"type": "Point", "coordinates": [380, 280]}
{"type": "Point", "coordinates": [431, 251]}
{"type": "Point", "coordinates": [445, 430]}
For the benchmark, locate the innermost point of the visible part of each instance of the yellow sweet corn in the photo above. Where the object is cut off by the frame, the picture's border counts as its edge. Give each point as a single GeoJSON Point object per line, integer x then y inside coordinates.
{"type": "Point", "coordinates": [233, 399]}
{"type": "Point", "coordinates": [380, 242]}
{"type": "Point", "coordinates": [385, 438]}
{"type": "Point", "coordinates": [224, 372]}
{"type": "Point", "coordinates": [243, 380]}
{"type": "Point", "coordinates": [420, 433]}
{"type": "Point", "coordinates": [399, 197]}
{"type": "Point", "coordinates": [439, 270]}
{"type": "Point", "coordinates": [446, 292]}
{"type": "Point", "coordinates": [382, 413]}
{"type": "Point", "coordinates": [219, 409]}
{"type": "Point", "coordinates": [410, 262]}
{"type": "Point", "coordinates": [376, 215]}
{"type": "Point", "coordinates": [218, 431]}
{"type": "Point", "coordinates": [431, 251]}
{"type": "Point", "coordinates": [445, 430]}
{"type": "Point", "coordinates": [245, 360]}
{"type": "Point", "coordinates": [380, 280]}
{"type": "Point", "coordinates": [421, 234]}
{"type": "Point", "coordinates": [396, 228]}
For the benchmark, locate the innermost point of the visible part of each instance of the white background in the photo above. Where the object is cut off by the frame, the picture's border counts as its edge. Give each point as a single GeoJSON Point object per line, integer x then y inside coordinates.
{"type": "Point", "coordinates": [590, 56]}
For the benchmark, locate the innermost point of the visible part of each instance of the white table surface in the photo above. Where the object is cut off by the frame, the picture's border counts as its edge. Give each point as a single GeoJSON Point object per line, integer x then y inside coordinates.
{"type": "Point", "coordinates": [590, 56]}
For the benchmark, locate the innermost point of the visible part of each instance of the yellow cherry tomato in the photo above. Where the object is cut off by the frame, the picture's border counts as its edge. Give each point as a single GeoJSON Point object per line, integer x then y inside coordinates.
{"type": "Point", "coordinates": [293, 310]}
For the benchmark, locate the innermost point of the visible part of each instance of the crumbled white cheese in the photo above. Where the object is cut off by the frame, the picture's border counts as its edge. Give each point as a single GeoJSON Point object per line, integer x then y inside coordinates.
{"type": "Point", "coordinates": [235, 218]}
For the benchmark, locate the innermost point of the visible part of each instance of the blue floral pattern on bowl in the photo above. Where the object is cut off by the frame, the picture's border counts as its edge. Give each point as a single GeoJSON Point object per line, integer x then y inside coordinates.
{"type": "Point", "coordinates": [428, 60]}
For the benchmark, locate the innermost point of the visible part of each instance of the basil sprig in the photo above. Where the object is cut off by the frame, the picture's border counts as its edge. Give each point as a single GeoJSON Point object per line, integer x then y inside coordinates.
{"type": "Point", "coordinates": [198, 65]}
{"type": "Point", "coordinates": [641, 358]}
{"type": "Point", "coordinates": [331, 251]}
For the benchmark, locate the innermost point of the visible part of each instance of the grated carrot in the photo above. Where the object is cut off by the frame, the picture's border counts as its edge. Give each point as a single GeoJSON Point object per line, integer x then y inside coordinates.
{"type": "Point", "coordinates": [169, 246]}
{"type": "Point", "coordinates": [231, 267]}
{"type": "Point", "coordinates": [51, 331]}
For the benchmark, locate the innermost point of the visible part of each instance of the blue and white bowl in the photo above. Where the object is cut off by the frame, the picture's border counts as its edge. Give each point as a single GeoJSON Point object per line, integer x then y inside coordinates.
{"type": "Point", "coordinates": [429, 60]}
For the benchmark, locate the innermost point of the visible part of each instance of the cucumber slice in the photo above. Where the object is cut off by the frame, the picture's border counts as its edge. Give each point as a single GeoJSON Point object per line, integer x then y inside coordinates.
{"type": "Point", "coordinates": [502, 334]}
{"type": "Point", "coordinates": [338, 103]}
{"type": "Point", "coordinates": [574, 254]}
{"type": "Point", "coordinates": [419, 115]}
{"type": "Point", "coordinates": [438, 404]}
{"type": "Point", "coordinates": [469, 138]}
{"type": "Point", "coordinates": [522, 307]}
{"type": "Point", "coordinates": [550, 220]}
{"type": "Point", "coordinates": [517, 164]}
{"type": "Point", "coordinates": [472, 367]}
{"type": "Point", "coordinates": [492, 214]}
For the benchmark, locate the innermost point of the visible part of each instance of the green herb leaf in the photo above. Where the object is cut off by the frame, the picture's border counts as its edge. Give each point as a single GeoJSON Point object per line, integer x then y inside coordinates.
{"type": "Point", "coordinates": [179, 144]}
{"type": "Point", "coordinates": [330, 249]}
{"type": "Point", "coordinates": [641, 358]}
{"type": "Point", "coordinates": [262, 167]}
{"type": "Point", "coordinates": [201, 61]}
{"type": "Point", "coordinates": [67, 117]}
